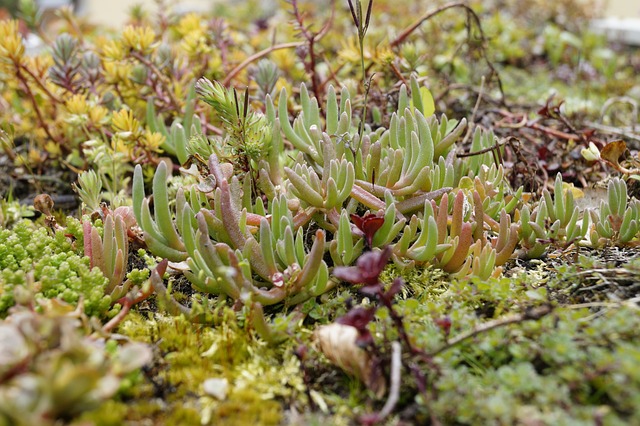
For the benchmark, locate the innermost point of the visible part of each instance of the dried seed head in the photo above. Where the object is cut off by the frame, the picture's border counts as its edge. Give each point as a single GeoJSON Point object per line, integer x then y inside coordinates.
{"type": "Point", "coordinates": [43, 203]}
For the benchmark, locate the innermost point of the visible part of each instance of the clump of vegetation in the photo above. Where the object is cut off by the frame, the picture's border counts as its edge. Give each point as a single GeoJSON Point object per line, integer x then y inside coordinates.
{"type": "Point", "coordinates": [50, 267]}
{"type": "Point", "coordinates": [234, 190]}
{"type": "Point", "coordinates": [51, 371]}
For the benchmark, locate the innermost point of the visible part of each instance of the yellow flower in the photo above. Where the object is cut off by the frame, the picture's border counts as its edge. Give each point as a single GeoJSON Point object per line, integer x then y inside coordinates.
{"type": "Point", "coordinates": [77, 104]}
{"type": "Point", "coordinates": [287, 60]}
{"type": "Point", "coordinates": [78, 110]}
{"type": "Point", "coordinates": [284, 58]}
{"type": "Point", "coordinates": [113, 50]}
{"type": "Point", "coordinates": [98, 115]}
{"type": "Point", "coordinates": [52, 148]}
{"type": "Point", "coordinates": [40, 134]}
{"type": "Point", "coordinates": [36, 157]}
{"type": "Point", "coordinates": [190, 24]}
{"type": "Point", "coordinates": [152, 140]}
{"type": "Point", "coordinates": [39, 64]}
{"type": "Point", "coordinates": [120, 146]}
{"type": "Point", "coordinates": [116, 73]}
{"type": "Point", "coordinates": [125, 124]}
{"type": "Point", "coordinates": [214, 66]}
{"type": "Point", "coordinates": [194, 44]}
{"type": "Point", "coordinates": [386, 55]}
{"type": "Point", "coordinates": [138, 38]}
{"type": "Point", "coordinates": [350, 51]}
{"type": "Point", "coordinates": [11, 45]}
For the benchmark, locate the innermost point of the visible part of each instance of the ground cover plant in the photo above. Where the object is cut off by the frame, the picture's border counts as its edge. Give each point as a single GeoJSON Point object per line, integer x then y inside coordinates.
{"type": "Point", "coordinates": [378, 214]}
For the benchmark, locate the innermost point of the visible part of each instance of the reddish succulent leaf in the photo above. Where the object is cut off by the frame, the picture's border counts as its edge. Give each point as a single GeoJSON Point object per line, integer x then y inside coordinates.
{"type": "Point", "coordinates": [396, 285]}
{"type": "Point", "coordinates": [368, 268]}
{"type": "Point", "coordinates": [368, 224]}
{"type": "Point", "coordinates": [359, 318]}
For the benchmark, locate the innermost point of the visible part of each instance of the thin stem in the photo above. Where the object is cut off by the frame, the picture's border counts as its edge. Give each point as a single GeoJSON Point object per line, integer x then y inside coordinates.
{"type": "Point", "coordinates": [257, 56]}
{"type": "Point", "coordinates": [127, 303]}
{"type": "Point", "coordinates": [312, 38]}
{"type": "Point", "coordinates": [399, 324]}
{"type": "Point", "coordinates": [430, 14]}
{"type": "Point", "coordinates": [614, 130]}
{"type": "Point", "coordinates": [41, 84]}
{"type": "Point", "coordinates": [36, 108]}
{"type": "Point", "coordinates": [367, 86]}
{"type": "Point", "coordinates": [531, 124]}
{"type": "Point", "coordinates": [163, 78]}
{"type": "Point", "coordinates": [529, 314]}
{"type": "Point", "coordinates": [395, 379]}
{"type": "Point", "coordinates": [398, 74]}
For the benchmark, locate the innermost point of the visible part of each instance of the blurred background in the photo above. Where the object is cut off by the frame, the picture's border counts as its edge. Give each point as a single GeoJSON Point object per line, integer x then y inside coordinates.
{"type": "Point", "coordinates": [115, 12]}
{"type": "Point", "coordinates": [619, 20]}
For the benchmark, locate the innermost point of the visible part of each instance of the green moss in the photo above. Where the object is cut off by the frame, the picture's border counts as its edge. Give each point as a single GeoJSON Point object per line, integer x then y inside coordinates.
{"type": "Point", "coordinates": [111, 413]}
{"type": "Point", "coordinates": [567, 368]}
{"type": "Point", "coordinates": [183, 416]}
{"type": "Point", "coordinates": [259, 376]}
{"type": "Point", "coordinates": [245, 407]}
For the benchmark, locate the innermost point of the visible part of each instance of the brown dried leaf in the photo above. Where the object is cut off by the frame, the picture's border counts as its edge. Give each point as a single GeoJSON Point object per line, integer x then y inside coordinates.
{"type": "Point", "coordinates": [612, 152]}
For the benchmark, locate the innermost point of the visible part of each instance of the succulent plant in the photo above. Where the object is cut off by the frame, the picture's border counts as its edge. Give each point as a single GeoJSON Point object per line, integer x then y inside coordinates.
{"type": "Point", "coordinates": [176, 136]}
{"type": "Point", "coordinates": [277, 256]}
{"type": "Point", "coordinates": [109, 253]}
{"type": "Point", "coordinates": [89, 189]}
{"type": "Point", "coordinates": [555, 220]}
{"type": "Point", "coordinates": [396, 172]}
{"type": "Point", "coordinates": [562, 214]}
{"type": "Point", "coordinates": [252, 249]}
{"type": "Point", "coordinates": [327, 193]}
{"type": "Point", "coordinates": [618, 218]}
{"type": "Point", "coordinates": [160, 234]}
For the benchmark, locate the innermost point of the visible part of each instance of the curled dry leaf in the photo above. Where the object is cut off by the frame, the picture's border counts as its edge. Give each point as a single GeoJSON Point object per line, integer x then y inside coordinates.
{"type": "Point", "coordinates": [178, 267]}
{"type": "Point", "coordinates": [612, 152]}
{"type": "Point", "coordinates": [338, 343]}
{"type": "Point", "coordinates": [207, 184]}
